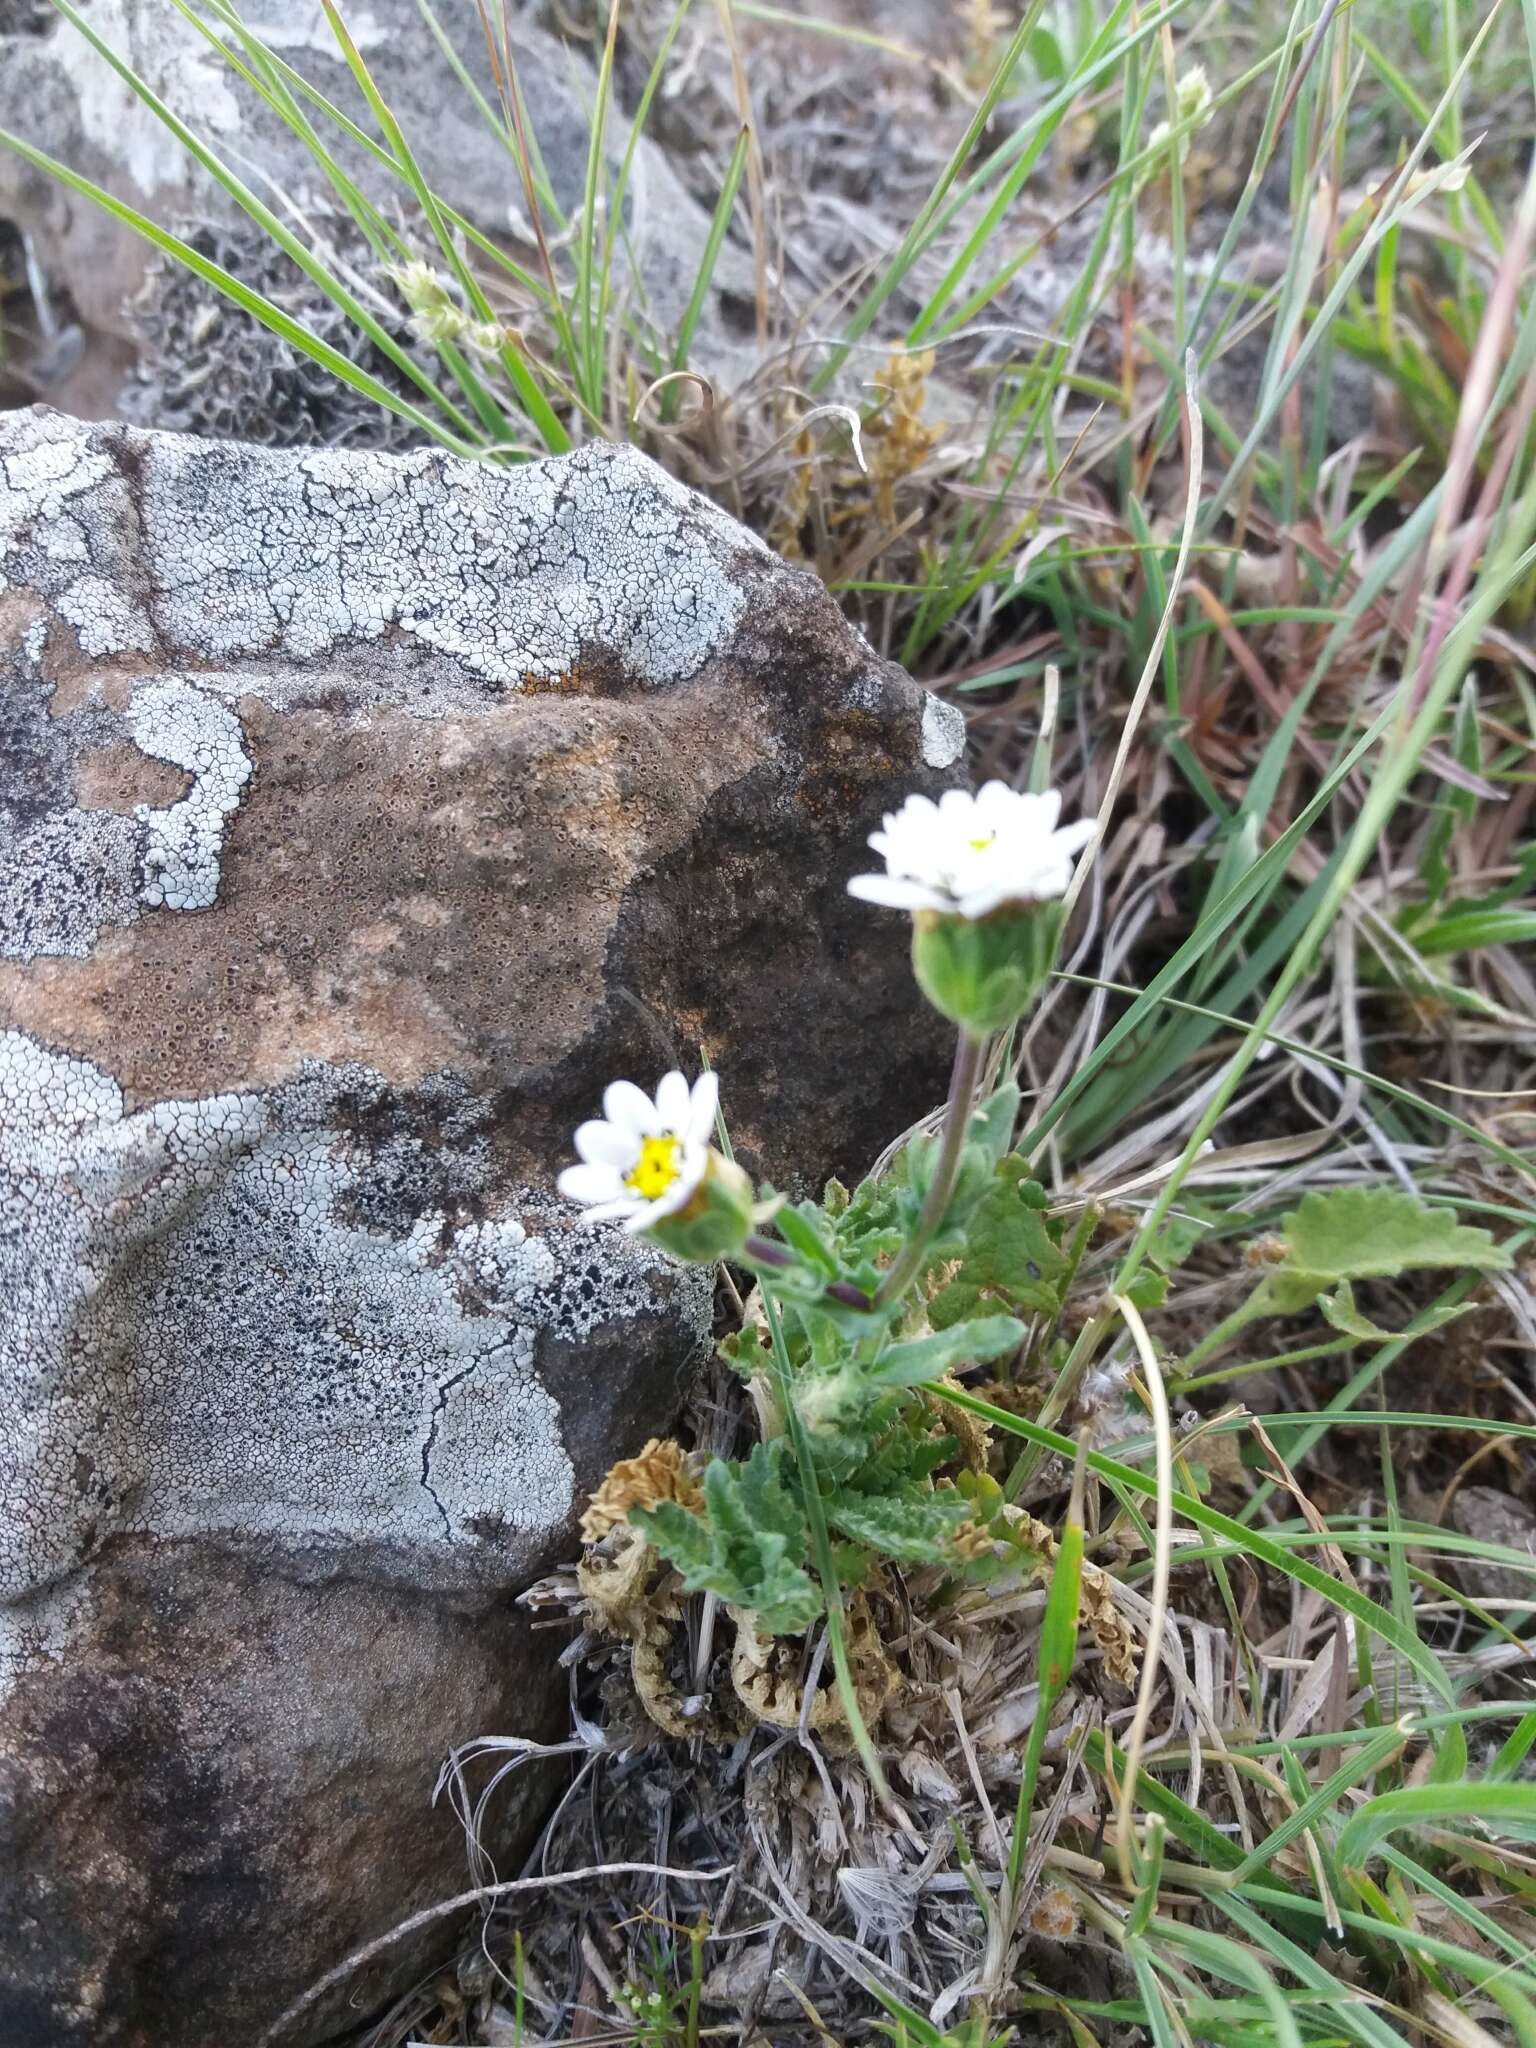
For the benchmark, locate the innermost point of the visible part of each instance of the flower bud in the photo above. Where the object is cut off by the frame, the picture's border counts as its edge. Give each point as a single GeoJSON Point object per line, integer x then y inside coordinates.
{"type": "Point", "coordinates": [984, 973]}
{"type": "Point", "coordinates": [714, 1222]}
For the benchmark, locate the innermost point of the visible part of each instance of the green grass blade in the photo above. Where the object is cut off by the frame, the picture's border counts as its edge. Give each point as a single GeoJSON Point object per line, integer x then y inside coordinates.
{"type": "Point", "coordinates": [242, 295]}
{"type": "Point", "coordinates": [513, 362]}
{"type": "Point", "coordinates": [270, 224]}
{"type": "Point", "coordinates": [719, 222]}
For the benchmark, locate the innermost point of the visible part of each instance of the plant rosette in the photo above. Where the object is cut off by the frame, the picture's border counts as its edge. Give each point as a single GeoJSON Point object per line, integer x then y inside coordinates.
{"type": "Point", "coordinates": [647, 1164]}
{"type": "Point", "coordinates": [982, 875]}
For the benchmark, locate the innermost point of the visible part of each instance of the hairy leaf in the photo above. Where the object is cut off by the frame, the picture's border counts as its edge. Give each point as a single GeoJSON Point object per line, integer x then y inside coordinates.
{"type": "Point", "coordinates": [991, 1130]}
{"type": "Point", "coordinates": [1011, 1259]}
{"type": "Point", "coordinates": [748, 1544]}
{"type": "Point", "coordinates": [925, 1358]}
{"type": "Point", "coordinates": [911, 1529]}
{"type": "Point", "coordinates": [1362, 1233]}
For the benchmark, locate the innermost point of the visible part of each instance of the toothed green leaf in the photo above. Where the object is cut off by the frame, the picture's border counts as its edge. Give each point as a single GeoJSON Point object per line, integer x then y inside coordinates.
{"type": "Point", "coordinates": [911, 1530]}
{"type": "Point", "coordinates": [747, 1546]}
{"type": "Point", "coordinates": [1371, 1233]}
{"type": "Point", "coordinates": [1011, 1259]}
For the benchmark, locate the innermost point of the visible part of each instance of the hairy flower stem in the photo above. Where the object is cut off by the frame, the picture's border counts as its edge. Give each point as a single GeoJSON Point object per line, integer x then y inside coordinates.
{"type": "Point", "coordinates": [969, 1054]}
{"type": "Point", "coordinates": [761, 1252]}
{"type": "Point", "coordinates": [821, 1546]}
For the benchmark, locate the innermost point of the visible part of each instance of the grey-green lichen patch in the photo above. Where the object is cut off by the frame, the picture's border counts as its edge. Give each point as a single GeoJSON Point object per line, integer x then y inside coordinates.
{"type": "Point", "coordinates": [69, 530]}
{"type": "Point", "coordinates": [71, 869]}
{"type": "Point", "coordinates": [419, 582]}
{"type": "Point", "coordinates": [210, 1328]}
{"type": "Point", "coordinates": [512, 575]}
{"type": "Point", "coordinates": [66, 870]}
{"type": "Point", "coordinates": [943, 739]}
{"type": "Point", "coordinates": [173, 721]}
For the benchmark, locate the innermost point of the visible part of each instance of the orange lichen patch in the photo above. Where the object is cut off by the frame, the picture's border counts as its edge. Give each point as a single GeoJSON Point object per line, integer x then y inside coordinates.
{"type": "Point", "coordinates": [598, 673]}
{"type": "Point", "coordinates": [568, 683]}
{"type": "Point", "coordinates": [121, 777]}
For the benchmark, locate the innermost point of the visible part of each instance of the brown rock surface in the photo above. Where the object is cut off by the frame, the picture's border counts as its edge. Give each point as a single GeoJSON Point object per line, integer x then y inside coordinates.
{"type": "Point", "coordinates": [360, 817]}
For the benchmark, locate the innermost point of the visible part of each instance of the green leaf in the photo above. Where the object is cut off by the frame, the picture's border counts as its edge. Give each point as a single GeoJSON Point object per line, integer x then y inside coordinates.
{"type": "Point", "coordinates": [1058, 1630]}
{"type": "Point", "coordinates": [748, 1544]}
{"type": "Point", "coordinates": [902, 1454]}
{"type": "Point", "coordinates": [1148, 1289]}
{"type": "Point", "coordinates": [1509, 1811]}
{"type": "Point", "coordinates": [1339, 1309]}
{"type": "Point", "coordinates": [910, 1530]}
{"type": "Point", "coordinates": [1011, 1259]}
{"type": "Point", "coordinates": [798, 1228]}
{"type": "Point", "coordinates": [725, 206]}
{"type": "Point", "coordinates": [1455, 806]}
{"type": "Point", "coordinates": [1361, 1233]}
{"type": "Point", "coordinates": [1045, 55]}
{"type": "Point", "coordinates": [991, 1130]}
{"type": "Point", "coordinates": [1464, 931]}
{"type": "Point", "coordinates": [746, 1351]}
{"type": "Point", "coordinates": [1188, 1227]}
{"type": "Point", "coordinates": [925, 1358]}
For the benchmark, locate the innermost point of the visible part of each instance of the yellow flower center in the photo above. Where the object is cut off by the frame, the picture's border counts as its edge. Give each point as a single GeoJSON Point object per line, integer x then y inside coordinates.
{"type": "Point", "coordinates": [659, 1164]}
{"type": "Point", "coordinates": [981, 845]}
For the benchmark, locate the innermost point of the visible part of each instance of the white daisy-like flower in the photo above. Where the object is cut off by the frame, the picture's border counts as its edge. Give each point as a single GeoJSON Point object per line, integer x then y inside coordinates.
{"type": "Point", "coordinates": [969, 854]}
{"type": "Point", "coordinates": [644, 1159]}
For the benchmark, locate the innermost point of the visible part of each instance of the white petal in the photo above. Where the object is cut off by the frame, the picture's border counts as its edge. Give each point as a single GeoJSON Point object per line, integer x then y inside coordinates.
{"type": "Point", "coordinates": [591, 1183]}
{"type": "Point", "coordinates": [956, 803]}
{"type": "Point", "coordinates": [700, 1127]}
{"type": "Point", "coordinates": [601, 1145]}
{"type": "Point", "coordinates": [897, 894]}
{"type": "Point", "coordinates": [610, 1212]}
{"type": "Point", "coordinates": [990, 896]}
{"type": "Point", "coordinates": [1070, 839]}
{"type": "Point", "coordinates": [918, 811]}
{"type": "Point", "coordinates": [994, 796]}
{"type": "Point", "coordinates": [907, 859]}
{"type": "Point", "coordinates": [1038, 880]}
{"type": "Point", "coordinates": [631, 1109]}
{"type": "Point", "coordinates": [672, 1103]}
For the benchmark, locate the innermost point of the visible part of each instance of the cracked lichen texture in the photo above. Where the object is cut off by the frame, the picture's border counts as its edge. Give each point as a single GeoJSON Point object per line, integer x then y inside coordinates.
{"type": "Point", "coordinates": [304, 1314]}
{"type": "Point", "coordinates": [145, 540]}
{"type": "Point", "coordinates": [209, 1333]}
{"type": "Point", "coordinates": [446, 584]}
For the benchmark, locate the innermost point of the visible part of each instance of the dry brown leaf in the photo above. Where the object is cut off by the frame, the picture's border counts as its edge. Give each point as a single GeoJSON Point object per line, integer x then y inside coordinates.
{"type": "Point", "coordinates": [660, 1472]}
{"type": "Point", "coordinates": [765, 1671]}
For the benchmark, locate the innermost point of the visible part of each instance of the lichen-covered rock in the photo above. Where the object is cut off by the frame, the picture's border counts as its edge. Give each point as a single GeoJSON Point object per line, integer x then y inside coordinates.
{"type": "Point", "coordinates": [359, 816]}
{"type": "Point", "coordinates": [65, 98]}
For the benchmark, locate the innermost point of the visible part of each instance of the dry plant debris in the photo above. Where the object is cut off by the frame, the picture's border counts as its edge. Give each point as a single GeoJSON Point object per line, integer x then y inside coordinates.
{"type": "Point", "coordinates": [1301, 964]}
